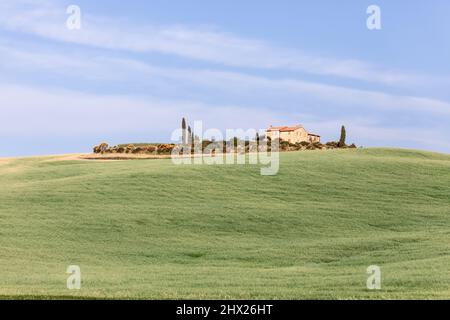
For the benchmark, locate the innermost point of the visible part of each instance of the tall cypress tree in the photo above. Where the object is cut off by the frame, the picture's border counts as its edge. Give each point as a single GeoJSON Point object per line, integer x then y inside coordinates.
{"type": "Point", "coordinates": [189, 135]}
{"type": "Point", "coordinates": [343, 137]}
{"type": "Point", "coordinates": [183, 127]}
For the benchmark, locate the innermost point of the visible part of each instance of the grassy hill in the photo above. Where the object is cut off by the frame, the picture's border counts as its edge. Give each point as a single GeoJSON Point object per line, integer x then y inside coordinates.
{"type": "Point", "coordinates": [150, 229]}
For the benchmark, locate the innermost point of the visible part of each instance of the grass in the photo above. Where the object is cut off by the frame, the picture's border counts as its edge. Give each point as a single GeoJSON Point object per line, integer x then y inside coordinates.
{"type": "Point", "coordinates": [152, 230]}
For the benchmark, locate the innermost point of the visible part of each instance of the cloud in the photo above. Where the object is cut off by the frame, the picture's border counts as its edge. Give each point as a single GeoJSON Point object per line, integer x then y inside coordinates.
{"type": "Point", "coordinates": [374, 133]}
{"type": "Point", "coordinates": [54, 114]}
{"type": "Point", "coordinates": [83, 67]}
{"type": "Point", "coordinates": [46, 18]}
{"type": "Point", "coordinates": [30, 110]}
{"type": "Point", "coordinates": [155, 96]}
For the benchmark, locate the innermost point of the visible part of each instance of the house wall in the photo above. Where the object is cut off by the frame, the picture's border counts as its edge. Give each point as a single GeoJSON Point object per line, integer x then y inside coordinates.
{"type": "Point", "coordinates": [314, 139]}
{"type": "Point", "coordinates": [295, 136]}
{"type": "Point", "coordinates": [286, 136]}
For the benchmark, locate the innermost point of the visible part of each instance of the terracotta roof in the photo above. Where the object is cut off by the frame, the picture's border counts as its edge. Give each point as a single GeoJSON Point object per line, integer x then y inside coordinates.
{"type": "Point", "coordinates": [284, 129]}
{"type": "Point", "coordinates": [289, 129]}
{"type": "Point", "coordinates": [275, 128]}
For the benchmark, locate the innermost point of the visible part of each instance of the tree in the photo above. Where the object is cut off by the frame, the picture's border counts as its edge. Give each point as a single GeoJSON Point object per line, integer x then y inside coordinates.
{"type": "Point", "coordinates": [343, 137]}
{"type": "Point", "coordinates": [183, 127]}
{"type": "Point", "coordinates": [257, 138]}
{"type": "Point", "coordinates": [189, 137]}
{"type": "Point", "coordinates": [235, 141]}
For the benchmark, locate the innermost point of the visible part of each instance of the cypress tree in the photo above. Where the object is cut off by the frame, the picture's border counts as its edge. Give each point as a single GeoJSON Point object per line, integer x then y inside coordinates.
{"type": "Point", "coordinates": [189, 137]}
{"type": "Point", "coordinates": [183, 127]}
{"type": "Point", "coordinates": [343, 137]}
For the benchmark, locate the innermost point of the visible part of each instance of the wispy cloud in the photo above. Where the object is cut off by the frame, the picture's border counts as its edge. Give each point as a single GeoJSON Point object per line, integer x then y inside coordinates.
{"type": "Point", "coordinates": [70, 113]}
{"type": "Point", "coordinates": [46, 18]}
{"type": "Point", "coordinates": [66, 83]}
{"type": "Point", "coordinates": [56, 111]}
{"type": "Point", "coordinates": [84, 67]}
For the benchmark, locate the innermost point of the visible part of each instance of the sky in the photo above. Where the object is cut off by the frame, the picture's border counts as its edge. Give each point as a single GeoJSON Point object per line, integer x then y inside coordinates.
{"type": "Point", "coordinates": [135, 68]}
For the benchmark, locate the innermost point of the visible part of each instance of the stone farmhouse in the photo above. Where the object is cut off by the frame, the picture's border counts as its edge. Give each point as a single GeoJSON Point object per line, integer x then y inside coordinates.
{"type": "Point", "coordinates": [293, 134]}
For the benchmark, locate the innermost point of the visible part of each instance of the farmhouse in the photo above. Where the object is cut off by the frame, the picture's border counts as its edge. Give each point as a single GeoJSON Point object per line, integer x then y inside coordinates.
{"type": "Point", "coordinates": [293, 134]}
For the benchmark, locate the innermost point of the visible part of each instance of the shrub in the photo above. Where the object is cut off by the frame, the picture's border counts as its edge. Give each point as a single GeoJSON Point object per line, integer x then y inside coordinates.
{"type": "Point", "coordinates": [253, 147]}
{"type": "Point", "coordinates": [318, 145]}
{"type": "Point", "coordinates": [332, 144]}
{"type": "Point", "coordinates": [205, 144]}
{"type": "Point", "coordinates": [113, 149]}
{"type": "Point", "coordinates": [101, 148]}
{"type": "Point", "coordinates": [304, 143]}
{"type": "Point", "coordinates": [138, 150]}
{"type": "Point", "coordinates": [150, 149]}
{"type": "Point", "coordinates": [130, 148]}
{"type": "Point", "coordinates": [165, 148]}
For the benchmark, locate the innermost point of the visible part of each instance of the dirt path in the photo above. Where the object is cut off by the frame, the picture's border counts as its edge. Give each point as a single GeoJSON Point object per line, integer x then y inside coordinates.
{"type": "Point", "coordinates": [122, 156]}
{"type": "Point", "coordinates": [106, 157]}
{"type": "Point", "coordinates": [109, 157]}
{"type": "Point", "coordinates": [4, 162]}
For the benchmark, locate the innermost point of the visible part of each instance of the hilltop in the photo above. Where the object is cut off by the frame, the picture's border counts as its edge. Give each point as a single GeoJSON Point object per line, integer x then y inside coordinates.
{"type": "Point", "coordinates": [150, 229]}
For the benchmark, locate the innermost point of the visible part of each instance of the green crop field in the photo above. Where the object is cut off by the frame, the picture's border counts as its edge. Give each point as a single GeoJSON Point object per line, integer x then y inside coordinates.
{"type": "Point", "coordinates": [152, 230]}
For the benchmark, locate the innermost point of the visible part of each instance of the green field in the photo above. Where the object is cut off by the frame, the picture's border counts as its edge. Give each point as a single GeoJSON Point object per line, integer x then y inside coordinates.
{"type": "Point", "coordinates": [151, 230]}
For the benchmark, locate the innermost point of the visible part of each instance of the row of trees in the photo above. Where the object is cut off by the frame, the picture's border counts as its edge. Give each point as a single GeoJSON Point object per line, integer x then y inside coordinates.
{"type": "Point", "coordinates": [189, 139]}
{"type": "Point", "coordinates": [188, 136]}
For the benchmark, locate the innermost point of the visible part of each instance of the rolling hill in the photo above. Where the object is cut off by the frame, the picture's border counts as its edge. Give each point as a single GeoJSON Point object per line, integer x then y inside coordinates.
{"type": "Point", "coordinates": [151, 230]}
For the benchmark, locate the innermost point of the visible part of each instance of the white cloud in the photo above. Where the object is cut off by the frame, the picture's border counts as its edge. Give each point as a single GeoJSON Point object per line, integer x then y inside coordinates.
{"type": "Point", "coordinates": [32, 110]}
{"type": "Point", "coordinates": [55, 113]}
{"type": "Point", "coordinates": [28, 110]}
{"type": "Point", "coordinates": [115, 70]}
{"type": "Point", "coordinates": [47, 19]}
{"type": "Point", "coordinates": [370, 132]}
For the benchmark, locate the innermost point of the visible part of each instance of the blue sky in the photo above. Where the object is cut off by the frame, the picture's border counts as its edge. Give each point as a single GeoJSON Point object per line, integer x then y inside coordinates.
{"type": "Point", "coordinates": [135, 68]}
